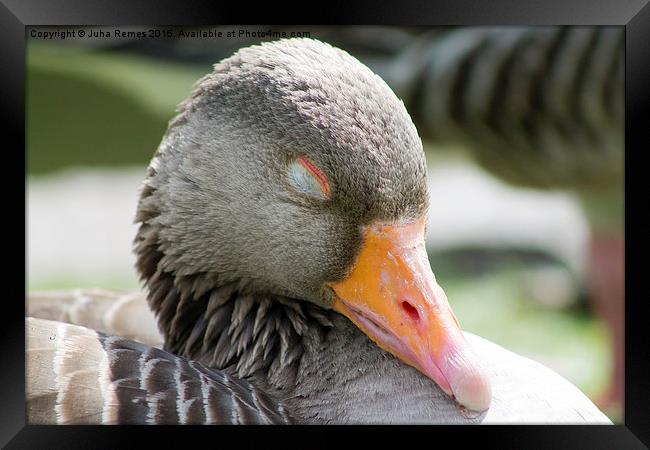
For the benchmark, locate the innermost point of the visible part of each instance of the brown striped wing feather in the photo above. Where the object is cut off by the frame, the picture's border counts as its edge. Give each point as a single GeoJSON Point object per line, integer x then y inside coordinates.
{"type": "Point", "coordinates": [79, 376]}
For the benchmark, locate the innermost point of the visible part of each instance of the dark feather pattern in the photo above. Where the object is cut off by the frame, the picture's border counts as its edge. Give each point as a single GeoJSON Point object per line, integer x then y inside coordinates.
{"type": "Point", "coordinates": [104, 379]}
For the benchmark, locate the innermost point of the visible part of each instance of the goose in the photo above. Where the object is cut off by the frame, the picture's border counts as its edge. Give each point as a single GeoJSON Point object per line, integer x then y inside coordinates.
{"type": "Point", "coordinates": [281, 244]}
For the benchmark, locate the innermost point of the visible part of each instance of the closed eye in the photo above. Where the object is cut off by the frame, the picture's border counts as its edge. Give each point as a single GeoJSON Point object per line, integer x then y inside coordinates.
{"type": "Point", "coordinates": [306, 178]}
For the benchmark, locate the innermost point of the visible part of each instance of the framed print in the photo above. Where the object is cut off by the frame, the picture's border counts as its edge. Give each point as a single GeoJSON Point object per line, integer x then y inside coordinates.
{"type": "Point", "coordinates": [423, 215]}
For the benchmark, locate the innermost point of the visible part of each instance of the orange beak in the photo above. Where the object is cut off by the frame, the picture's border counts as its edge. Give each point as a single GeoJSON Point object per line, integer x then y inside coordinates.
{"type": "Point", "coordinates": [393, 296]}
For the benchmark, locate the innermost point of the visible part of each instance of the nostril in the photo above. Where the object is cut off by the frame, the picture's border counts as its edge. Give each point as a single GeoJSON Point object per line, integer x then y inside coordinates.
{"type": "Point", "coordinates": [411, 310]}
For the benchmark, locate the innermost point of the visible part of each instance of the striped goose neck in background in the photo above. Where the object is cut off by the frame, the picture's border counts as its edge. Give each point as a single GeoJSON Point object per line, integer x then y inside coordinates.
{"type": "Point", "coordinates": [537, 106]}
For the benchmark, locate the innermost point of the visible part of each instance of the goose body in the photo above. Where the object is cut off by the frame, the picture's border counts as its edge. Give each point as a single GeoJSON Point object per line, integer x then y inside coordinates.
{"type": "Point", "coordinates": [395, 393]}
{"type": "Point", "coordinates": [281, 243]}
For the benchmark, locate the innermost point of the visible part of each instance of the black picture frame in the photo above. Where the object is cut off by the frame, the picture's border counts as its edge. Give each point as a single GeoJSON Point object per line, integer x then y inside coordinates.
{"type": "Point", "coordinates": [16, 15]}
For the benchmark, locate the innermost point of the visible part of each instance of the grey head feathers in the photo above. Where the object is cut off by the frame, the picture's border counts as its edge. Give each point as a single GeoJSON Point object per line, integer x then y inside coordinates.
{"type": "Point", "coordinates": [218, 181]}
{"type": "Point", "coordinates": [217, 216]}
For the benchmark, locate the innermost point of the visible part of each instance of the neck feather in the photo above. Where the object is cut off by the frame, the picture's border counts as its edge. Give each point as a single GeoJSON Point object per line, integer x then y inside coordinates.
{"type": "Point", "coordinates": [223, 324]}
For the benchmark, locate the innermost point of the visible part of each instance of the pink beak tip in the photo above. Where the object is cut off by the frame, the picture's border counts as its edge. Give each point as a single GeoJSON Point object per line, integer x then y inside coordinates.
{"type": "Point", "coordinates": [468, 380]}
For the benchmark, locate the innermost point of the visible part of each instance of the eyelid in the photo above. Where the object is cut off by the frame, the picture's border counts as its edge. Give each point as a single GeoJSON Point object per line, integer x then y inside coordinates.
{"type": "Point", "coordinates": [308, 179]}
{"type": "Point", "coordinates": [320, 176]}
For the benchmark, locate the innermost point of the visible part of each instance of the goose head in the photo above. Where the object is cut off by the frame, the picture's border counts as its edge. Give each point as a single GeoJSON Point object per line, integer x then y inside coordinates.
{"type": "Point", "coordinates": [293, 170]}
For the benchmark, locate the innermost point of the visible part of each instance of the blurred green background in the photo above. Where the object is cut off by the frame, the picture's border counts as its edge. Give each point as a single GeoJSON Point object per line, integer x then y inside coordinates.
{"type": "Point", "coordinates": [95, 115]}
